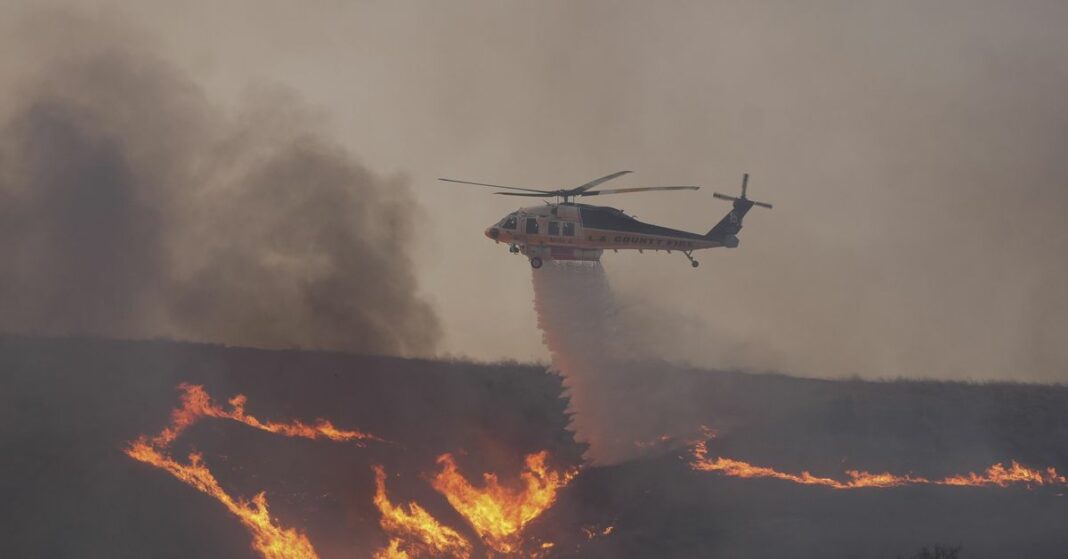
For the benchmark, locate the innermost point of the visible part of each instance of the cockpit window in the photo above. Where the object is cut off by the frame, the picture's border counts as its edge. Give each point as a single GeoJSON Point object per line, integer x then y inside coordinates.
{"type": "Point", "coordinates": [509, 222]}
{"type": "Point", "coordinates": [532, 226]}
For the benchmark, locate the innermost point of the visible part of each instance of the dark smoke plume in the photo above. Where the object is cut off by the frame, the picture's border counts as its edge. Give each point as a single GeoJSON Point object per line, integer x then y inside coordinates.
{"type": "Point", "coordinates": [132, 206]}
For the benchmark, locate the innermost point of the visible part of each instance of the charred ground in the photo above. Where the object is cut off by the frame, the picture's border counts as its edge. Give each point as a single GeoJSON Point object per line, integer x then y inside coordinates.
{"type": "Point", "coordinates": [67, 407]}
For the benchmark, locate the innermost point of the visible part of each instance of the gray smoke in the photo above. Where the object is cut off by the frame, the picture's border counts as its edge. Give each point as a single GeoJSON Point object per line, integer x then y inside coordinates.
{"type": "Point", "coordinates": [132, 206]}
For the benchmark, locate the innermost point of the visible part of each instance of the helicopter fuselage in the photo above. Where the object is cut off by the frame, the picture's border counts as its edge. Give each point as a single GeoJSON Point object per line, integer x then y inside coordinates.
{"type": "Point", "coordinates": [569, 230]}
{"type": "Point", "coordinates": [572, 231]}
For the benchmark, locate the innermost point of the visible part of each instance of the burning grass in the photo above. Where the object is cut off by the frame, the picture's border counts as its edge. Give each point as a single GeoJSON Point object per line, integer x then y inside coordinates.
{"type": "Point", "coordinates": [413, 532]}
{"type": "Point", "coordinates": [497, 513]}
{"type": "Point", "coordinates": [997, 475]}
{"type": "Point", "coordinates": [197, 404]}
{"type": "Point", "coordinates": [269, 538]}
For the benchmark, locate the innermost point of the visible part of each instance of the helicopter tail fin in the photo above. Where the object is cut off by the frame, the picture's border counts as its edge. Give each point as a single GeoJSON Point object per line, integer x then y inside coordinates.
{"type": "Point", "coordinates": [731, 223]}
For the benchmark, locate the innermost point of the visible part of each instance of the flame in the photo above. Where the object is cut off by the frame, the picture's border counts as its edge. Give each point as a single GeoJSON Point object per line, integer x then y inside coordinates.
{"type": "Point", "coordinates": [1001, 476]}
{"type": "Point", "coordinates": [392, 552]}
{"type": "Point", "coordinates": [268, 538]}
{"type": "Point", "coordinates": [996, 475]}
{"type": "Point", "coordinates": [498, 514]}
{"type": "Point", "coordinates": [196, 403]}
{"type": "Point", "coordinates": [414, 528]}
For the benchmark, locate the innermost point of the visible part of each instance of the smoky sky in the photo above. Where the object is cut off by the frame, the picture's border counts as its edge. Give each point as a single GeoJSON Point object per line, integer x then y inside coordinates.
{"type": "Point", "coordinates": [132, 205]}
{"type": "Point", "coordinates": [914, 152]}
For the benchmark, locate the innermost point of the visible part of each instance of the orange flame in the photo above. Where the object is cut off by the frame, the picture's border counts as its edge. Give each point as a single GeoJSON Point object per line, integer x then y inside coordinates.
{"type": "Point", "coordinates": [997, 475]}
{"type": "Point", "coordinates": [1001, 476]}
{"type": "Point", "coordinates": [499, 514]}
{"type": "Point", "coordinates": [270, 539]}
{"type": "Point", "coordinates": [392, 552]}
{"type": "Point", "coordinates": [413, 528]}
{"type": "Point", "coordinates": [196, 403]}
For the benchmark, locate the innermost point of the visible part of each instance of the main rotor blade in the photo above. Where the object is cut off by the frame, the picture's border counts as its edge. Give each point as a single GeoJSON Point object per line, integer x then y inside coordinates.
{"type": "Point", "coordinates": [497, 186]}
{"type": "Point", "coordinates": [546, 195]}
{"type": "Point", "coordinates": [639, 189]}
{"type": "Point", "coordinates": [595, 182]}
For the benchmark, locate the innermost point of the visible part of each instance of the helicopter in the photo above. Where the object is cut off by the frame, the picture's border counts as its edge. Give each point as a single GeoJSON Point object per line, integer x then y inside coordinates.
{"type": "Point", "coordinates": [567, 230]}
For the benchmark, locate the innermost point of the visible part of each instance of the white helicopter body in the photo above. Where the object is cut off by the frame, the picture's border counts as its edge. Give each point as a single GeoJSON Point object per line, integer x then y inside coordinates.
{"type": "Point", "coordinates": [573, 231]}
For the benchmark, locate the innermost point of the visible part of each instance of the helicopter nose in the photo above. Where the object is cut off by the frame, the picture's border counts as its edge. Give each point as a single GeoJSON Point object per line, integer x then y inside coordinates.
{"type": "Point", "coordinates": [493, 233]}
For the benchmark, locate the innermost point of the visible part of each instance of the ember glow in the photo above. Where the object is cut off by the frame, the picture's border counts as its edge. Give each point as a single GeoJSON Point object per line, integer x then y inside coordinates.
{"type": "Point", "coordinates": [997, 475]}
{"type": "Point", "coordinates": [413, 532]}
{"type": "Point", "coordinates": [593, 532]}
{"type": "Point", "coordinates": [498, 513]}
{"type": "Point", "coordinates": [269, 538]}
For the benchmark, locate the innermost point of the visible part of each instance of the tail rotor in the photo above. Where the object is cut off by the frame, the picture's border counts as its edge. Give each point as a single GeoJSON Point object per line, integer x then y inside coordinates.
{"type": "Point", "coordinates": [743, 198]}
{"type": "Point", "coordinates": [727, 229]}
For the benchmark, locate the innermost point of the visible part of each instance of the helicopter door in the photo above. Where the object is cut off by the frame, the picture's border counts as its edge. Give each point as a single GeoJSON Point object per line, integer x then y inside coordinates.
{"type": "Point", "coordinates": [532, 226]}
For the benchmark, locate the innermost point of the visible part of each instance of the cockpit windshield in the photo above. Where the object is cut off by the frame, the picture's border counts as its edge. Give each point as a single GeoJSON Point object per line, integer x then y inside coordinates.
{"type": "Point", "coordinates": [509, 222]}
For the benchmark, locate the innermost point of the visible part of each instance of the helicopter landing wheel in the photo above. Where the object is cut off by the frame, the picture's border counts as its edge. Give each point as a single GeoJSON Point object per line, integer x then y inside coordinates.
{"type": "Point", "coordinates": [535, 262]}
{"type": "Point", "coordinates": [689, 256]}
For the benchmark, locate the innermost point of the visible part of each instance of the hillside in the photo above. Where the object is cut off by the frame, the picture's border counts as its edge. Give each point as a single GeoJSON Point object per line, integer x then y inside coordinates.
{"type": "Point", "coordinates": [68, 407]}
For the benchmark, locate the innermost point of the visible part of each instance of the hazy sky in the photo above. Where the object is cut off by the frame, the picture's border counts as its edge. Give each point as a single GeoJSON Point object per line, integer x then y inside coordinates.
{"type": "Point", "coordinates": [914, 151]}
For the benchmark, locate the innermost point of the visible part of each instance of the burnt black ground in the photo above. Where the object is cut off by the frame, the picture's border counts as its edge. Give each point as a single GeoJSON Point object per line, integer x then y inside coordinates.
{"type": "Point", "coordinates": [68, 405]}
